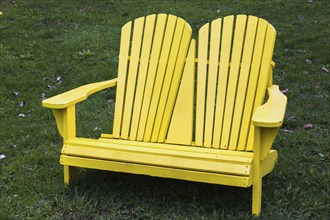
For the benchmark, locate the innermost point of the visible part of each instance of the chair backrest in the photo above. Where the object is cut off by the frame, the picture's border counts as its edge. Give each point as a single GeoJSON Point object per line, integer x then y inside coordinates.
{"type": "Point", "coordinates": [153, 51]}
{"type": "Point", "coordinates": [234, 65]}
{"type": "Point", "coordinates": [156, 96]}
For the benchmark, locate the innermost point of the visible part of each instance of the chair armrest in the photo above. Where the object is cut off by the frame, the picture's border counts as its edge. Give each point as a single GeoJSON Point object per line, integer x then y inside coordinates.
{"type": "Point", "coordinates": [271, 114]}
{"type": "Point", "coordinates": [79, 94]}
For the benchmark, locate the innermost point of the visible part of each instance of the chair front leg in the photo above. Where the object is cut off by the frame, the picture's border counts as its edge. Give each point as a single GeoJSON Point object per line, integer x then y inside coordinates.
{"type": "Point", "coordinates": [257, 177]}
{"type": "Point", "coordinates": [69, 174]}
{"type": "Point", "coordinates": [66, 124]}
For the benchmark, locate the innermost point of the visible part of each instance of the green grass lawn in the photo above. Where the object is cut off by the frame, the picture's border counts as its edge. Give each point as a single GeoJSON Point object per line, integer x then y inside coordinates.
{"type": "Point", "coordinates": [78, 41]}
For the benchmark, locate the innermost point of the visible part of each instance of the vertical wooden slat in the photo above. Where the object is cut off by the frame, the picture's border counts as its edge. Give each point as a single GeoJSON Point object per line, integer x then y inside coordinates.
{"type": "Point", "coordinates": [131, 79]}
{"type": "Point", "coordinates": [184, 45]}
{"type": "Point", "coordinates": [181, 126]}
{"type": "Point", "coordinates": [226, 43]}
{"type": "Point", "coordinates": [233, 76]}
{"type": "Point", "coordinates": [263, 78]}
{"type": "Point", "coordinates": [155, 52]}
{"type": "Point", "coordinates": [122, 72]}
{"type": "Point", "coordinates": [168, 78]}
{"type": "Point", "coordinates": [243, 81]}
{"type": "Point", "coordinates": [212, 80]}
{"type": "Point", "coordinates": [203, 38]}
{"type": "Point", "coordinates": [144, 63]}
{"type": "Point", "coordinates": [251, 90]}
{"type": "Point", "coordinates": [163, 61]}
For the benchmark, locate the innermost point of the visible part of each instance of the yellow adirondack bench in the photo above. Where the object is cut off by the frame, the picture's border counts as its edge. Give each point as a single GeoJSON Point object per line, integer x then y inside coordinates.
{"type": "Point", "coordinates": [220, 133]}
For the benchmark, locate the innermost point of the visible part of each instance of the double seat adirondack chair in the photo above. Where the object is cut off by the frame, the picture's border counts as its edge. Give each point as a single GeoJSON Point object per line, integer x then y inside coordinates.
{"type": "Point", "coordinates": [177, 115]}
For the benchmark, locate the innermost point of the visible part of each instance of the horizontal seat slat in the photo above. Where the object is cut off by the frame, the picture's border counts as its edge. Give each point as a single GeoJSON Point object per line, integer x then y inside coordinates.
{"type": "Point", "coordinates": [245, 157]}
{"type": "Point", "coordinates": [214, 163]}
{"type": "Point", "coordinates": [176, 147]}
{"type": "Point", "coordinates": [191, 175]}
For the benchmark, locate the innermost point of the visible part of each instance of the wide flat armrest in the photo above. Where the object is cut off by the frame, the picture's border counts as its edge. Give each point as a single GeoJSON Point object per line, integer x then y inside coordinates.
{"type": "Point", "coordinates": [271, 114]}
{"type": "Point", "coordinates": [77, 95]}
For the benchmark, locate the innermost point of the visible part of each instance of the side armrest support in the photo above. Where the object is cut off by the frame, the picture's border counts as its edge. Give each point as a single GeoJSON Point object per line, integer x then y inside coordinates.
{"type": "Point", "coordinates": [271, 114]}
{"type": "Point", "coordinates": [79, 94]}
{"type": "Point", "coordinates": [267, 120]}
{"type": "Point", "coordinates": [64, 106]}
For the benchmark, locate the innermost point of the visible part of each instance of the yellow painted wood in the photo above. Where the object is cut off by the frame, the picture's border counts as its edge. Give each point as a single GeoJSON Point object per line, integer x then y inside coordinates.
{"type": "Point", "coordinates": [270, 76]}
{"type": "Point", "coordinates": [246, 155]}
{"type": "Point", "coordinates": [203, 39]}
{"type": "Point", "coordinates": [263, 77]}
{"type": "Point", "coordinates": [226, 43]}
{"type": "Point", "coordinates": [270, 117]}
{"type": "Point", "coordinates": [173, 28]}
{"type": "Point", "coordinates": [271, 114]}
{"type": "Point", "coordinates": [144, 63]}
{"type": "Point", "coordinates": [177, 74]}
{"type": "Point", "coordinates": [181, 126]}
{"type": "Point", "coordinates": [131, 78]}
{"type": "Point", "coordinates": [243, 81]}
{"type": "Point", "coordinates": [168, 78]}
{"type": "Point", "coordinates": [104, 135]}
{"type": "Point", "coordinates": [66, 121]}
{"type": "Point", "coordinates": [197, 176]}
{"type": "Point", "coordinates": [159, 157]}
{"type": "Point", "coordinates": [79, 94]}
{"type": "Point", "coordinates": [232, 81]}
{"type": "Point", "coordinates": [69, 174]}
{"type": "Point", "coordinates": [122, 71]}
{"type": "Point", "coordinates": [256, 177]}
{"type": "Point", "coordinates": [252, 86]}
{"type": "Point", "coordinates": [212, 80]}
{"type": "Point", "coordinates": [159, 149]}
{"type": "Point", "coordinates": [268, 135]}
{"type": "Point", "coordinates": [154, 59]}
{"type": "Point", "coordinates": [267, 164]}
{"type": "Point", "coordinates": [158, 91]}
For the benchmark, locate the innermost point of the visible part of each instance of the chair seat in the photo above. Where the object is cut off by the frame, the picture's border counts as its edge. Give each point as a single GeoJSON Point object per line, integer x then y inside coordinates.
{"type": "Point", "coordinates": [163, 155]}
{"type": "Point", "coordinates": [164, 160]}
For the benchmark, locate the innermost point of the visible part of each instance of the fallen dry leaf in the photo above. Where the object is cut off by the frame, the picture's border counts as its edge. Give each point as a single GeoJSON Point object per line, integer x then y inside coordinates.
{"type": "Point", "coordinates": [308, 61]}
{"type": "Point", "coordinates": [291, 117]}
{"type": "Point", "coordinates": [50, 87]}
{"type": "Point", "coordinates": [308, 126]}
{"type": "Point", "coordinates": [324, 69]}
{"type": "Point", "coordinates": [58, 79]}
{"type": "Point", "coordinates": [287, 130]}
{"type": "Point", "coordinates": [15, 93]}
{"type": "Point", "coordinates": [311, 105]}
{"type": "Point", "coordinates": [285, 91]}
{"type": "Point", "coordinates": [21, 104]}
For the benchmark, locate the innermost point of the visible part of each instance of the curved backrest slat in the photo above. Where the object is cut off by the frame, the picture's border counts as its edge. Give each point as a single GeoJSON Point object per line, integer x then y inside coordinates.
{"type": "Point", "coordinates": [252, 84]}
{"type": "Point", "coordinates": [226, 44]}
{"type": "Point", "coordinates": [203, 38]}
{"type": "Point", "coordinates": [142, 75]}
{"type": "Point", "coordinates": [122, 70]}
{"type": "Point", "coordinates": [212, 79]}
{"type": "Point", "coordinates": [235, 61]}
{"type": "Point", "coordinates": [164, 63]}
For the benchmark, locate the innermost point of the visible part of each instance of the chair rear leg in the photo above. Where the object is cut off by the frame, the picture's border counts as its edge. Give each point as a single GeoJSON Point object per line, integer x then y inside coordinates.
{"type": "Point", "coordinates": [69, 174]}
